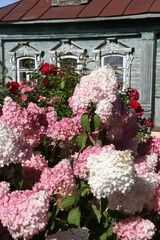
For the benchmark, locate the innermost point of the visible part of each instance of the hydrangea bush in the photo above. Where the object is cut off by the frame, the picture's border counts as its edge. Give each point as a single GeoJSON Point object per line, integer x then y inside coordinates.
{"type": "Point", "coordinates": [80, 172]}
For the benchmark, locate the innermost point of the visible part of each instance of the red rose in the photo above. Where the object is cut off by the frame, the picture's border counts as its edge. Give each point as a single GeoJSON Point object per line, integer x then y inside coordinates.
{"type": "Point", "coordinates": [17, 96]}
{"type": "Point", "coordinates": [14, 84]}
{"type": "Point", "coordinates": [8, 84]}
{"type": "Point", "coordinates": [137, 107]}
{"type": "Point", "coordinates": [60, 73]}
{"type": "Point", "coordinates": [48, 69]}
{"type": "Point", "coordinates": [134, 94]}
{"type": "Point", "coordinates": [149, 122]}
{"type": "Point", "coordinates": [14, 87]}
{"type": "Point", "coordinates": [45, 82]}
{"type": "Point", "coordinates": [143, 122]}
{"type": "Point", "coordinates": [118, 86]}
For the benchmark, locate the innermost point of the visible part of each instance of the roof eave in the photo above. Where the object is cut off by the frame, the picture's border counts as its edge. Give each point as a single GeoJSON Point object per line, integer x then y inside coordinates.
{"type": "Point", "coordinates": [91, 19]}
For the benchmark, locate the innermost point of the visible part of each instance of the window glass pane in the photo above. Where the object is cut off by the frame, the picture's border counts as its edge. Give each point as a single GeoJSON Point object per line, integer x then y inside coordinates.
{"type": "Point", "coordinates": [27, 63]}
{"type": "Point", "coordinates": [68, 62]}
{"type": "Point", "coordinates": [23, 76]}
{"type": "Point", "coordinates": [114, 61]}
{"type": "Point", "coordinates": [119, 75]}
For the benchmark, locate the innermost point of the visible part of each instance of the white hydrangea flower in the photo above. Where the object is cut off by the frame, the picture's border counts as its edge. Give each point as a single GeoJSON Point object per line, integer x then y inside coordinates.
{"type": "Point", "coordinates": [70, 234]}
{"type": "Point", "coordinates": [134, 201]}
{"type": "Point", "coordinates": [109, 172]}
{"type": "Point", "coordinates": [12, 147]}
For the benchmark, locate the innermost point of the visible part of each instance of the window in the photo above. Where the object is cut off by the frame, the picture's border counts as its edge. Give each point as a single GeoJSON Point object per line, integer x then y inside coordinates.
{"type": "Point", "coordinates": [68, 2]}
{"type": "Point", "coordinates": [68, 61]}
{"type": "Point", "coordinates": [117, 62]}
{"type": "Point", "coordinates": [25, 66]}
{"type": "Point", "coordinates": [119, 55]}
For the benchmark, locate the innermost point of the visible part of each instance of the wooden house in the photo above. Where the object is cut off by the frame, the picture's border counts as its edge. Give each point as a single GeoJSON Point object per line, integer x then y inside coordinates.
{"type": "Point", "coordinates": [124, 33]}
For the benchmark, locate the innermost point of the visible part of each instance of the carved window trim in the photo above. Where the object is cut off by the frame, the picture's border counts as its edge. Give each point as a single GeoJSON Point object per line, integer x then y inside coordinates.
{"type": "Point", "coordinates": [113, 46]}
{"type": "Point", "coordinates": [23, 50]}
{"type": "Point", "coordinates": [67, 48]}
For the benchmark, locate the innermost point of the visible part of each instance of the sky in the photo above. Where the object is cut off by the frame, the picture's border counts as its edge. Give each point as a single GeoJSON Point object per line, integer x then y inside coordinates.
{"type": "Point", "coordinates": [7, 2]}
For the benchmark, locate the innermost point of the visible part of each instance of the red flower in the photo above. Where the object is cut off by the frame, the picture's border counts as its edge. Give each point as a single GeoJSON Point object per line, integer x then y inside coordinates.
{"type": "Point", "coordinates": [134, 94]}
{"type": "Point", "coordinates": [14, 87]}
{"type": "Point", "coordinates": [48, 69]}
{"type": "Point", "coordinates": [143, 122]}
{"type": "Point", "coordinates": [17, 96]}
{"type": "Point", "coordinates": [149, 122]}
{"type": "Point", "coordinates": [60, 73]}
{"type": "Point", "coordinates": [118, 86]}
{"type": "Point", "coordinates": [8, 84]}
{"type": "Point", "coordinates": [137, 107]}
{"type": "Point", "coordinates": [45, 82]}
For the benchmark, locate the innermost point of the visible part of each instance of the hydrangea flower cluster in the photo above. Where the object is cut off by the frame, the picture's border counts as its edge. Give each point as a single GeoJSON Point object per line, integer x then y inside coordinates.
{"type": "Point", "coordinates": [31, 123]}
{"type": "Point", "coordinates": [152, 145]}
{"type": "Point", "coordinates": [65, 129]}
{"type": "Point", "coordinates": [4, 188]}
{"type": "Point", "coordinates": [100, 88]}
{"type": "Point", "coordinates": [58, 180]}
{"type": "Point", "coordinates": [70, 234]}
{"type": "Point", "coordinates": [127, 145]}
{"type": "Point", "coordinates": [146, 163]}
{"type": "Point", "coordinates": [97, 86]}
{"type": "Point", "coordinates": [135, 228]}
{"type": "Point", "coordinates": [32, 168]}
{"type": "Point", "coordinates": [79, 166]}
{"type": "Point", "coordinates": [110, 171]}
{"type": "Point", "coordinates": [24, 213]}
{"type": "Point", "coordinates": [12, 147]}
{"type": "Point", "coordinates": [51, 119]}
{"type": "Point", "coordinates": [141, 193]}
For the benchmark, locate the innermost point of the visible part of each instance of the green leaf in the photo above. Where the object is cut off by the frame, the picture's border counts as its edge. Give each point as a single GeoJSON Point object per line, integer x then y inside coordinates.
{"type": "Point", "coordinates": [97, 213]}
{"type": "Point", "coordinates": [92, 140]}
{"type": "Point", "coordinates": [109, 231]}
{"type": "Point", "coordinates": [74, 216]}
{"type": "Point", "coordinates": [103, 236]}
{"type": "Point", "coordinates": [49, 214]}
{"type": "Point", "coordinates": [95, 123]}
{"type": "Point", "coordinates": [104, 203]}
{"type": "Point", "coordinates": [81, 140]}
{"type": "Point", "coordinates": [67, 201]}
{"type": "Point", "coordinates": [63, 84]}
{"type": "Point", "coordinates": [79, 193]}
{"type": "Point", "coordinates": [53, 225]}
{"type": "Point", "coordinates": [85, 122]}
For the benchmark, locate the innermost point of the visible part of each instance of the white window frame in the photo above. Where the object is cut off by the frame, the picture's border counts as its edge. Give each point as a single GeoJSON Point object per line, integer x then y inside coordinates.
{"type": "Point", "coordinates": [123, 68]}
{"type": "Point", "coordinates": [20, 70]}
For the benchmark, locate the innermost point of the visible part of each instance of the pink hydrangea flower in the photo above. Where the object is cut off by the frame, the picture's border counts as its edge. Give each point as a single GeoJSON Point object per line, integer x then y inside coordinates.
{"type": "Point", "coordinates": [31, 123]}
{"type": "Point", "coordinates": [79, 166]}
{"type": "Point", "coordinates": [24, 213]}
{"type": "Point", "coordinates": [4, 188]}
{"type": "Point", "coordinates": [135, 228]}
{"type": "Point", "coordinates": [58, 180]}
{"type": "Point", "coordinates": [65, 129]}
{"type": "Point", "coordinates": [13, 148]}
{"type": "Point", "coordinates": [146, 163]}
{"type": "Point", "coordinates": [152, 145]}
{"type": "Point", "coordinates": [32, 168]}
